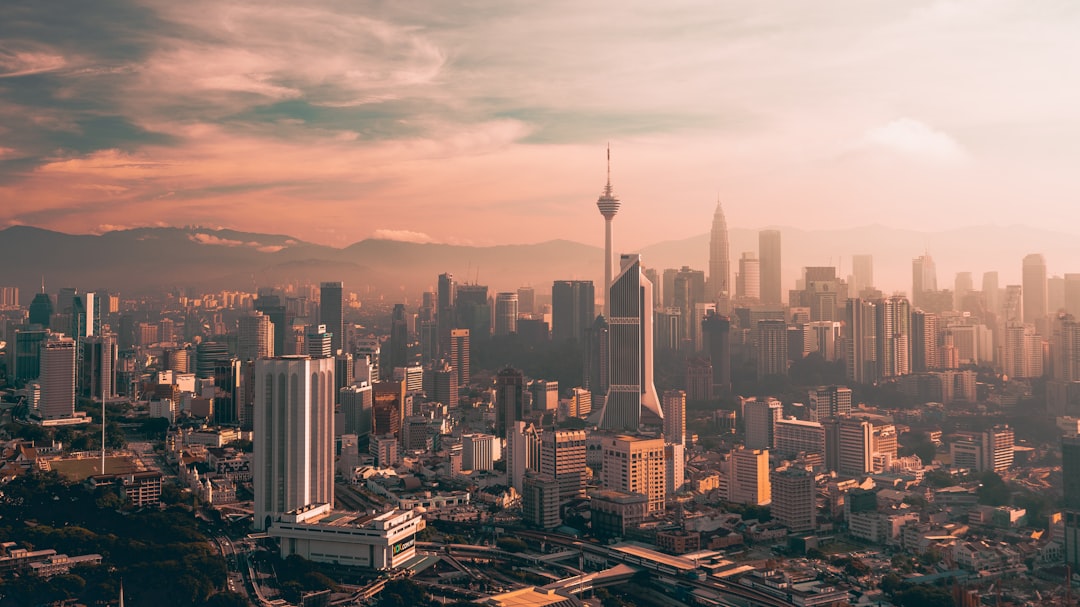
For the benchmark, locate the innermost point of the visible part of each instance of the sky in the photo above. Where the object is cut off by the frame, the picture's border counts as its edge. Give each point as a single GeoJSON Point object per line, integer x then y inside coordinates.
{"type": "Point", "coordinates": [487, 122]}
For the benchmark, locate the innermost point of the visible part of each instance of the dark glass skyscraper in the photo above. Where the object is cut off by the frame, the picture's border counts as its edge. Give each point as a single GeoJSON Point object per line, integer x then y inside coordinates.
{"type": "Point", "coordinates": [399, 338]}
{"type": "Point", "coordinates": [41, 310]}
{"type": "Point", "coordinates": [509, 399]}
{"type": "Point", "coordinates": [330, 314]}
{"type": "Point", "coordinates": [573, 307]}
{"type": "Point", "coordinates": [769, 254]}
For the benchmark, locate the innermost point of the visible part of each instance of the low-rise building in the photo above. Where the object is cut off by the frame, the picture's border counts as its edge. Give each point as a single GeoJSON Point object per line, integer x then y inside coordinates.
{"type": "Point", "coordinates": [319, 533]}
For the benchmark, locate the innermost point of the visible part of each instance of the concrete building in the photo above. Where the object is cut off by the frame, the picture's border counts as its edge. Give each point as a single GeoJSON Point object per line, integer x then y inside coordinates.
{"type": "Point", "coordinates": [675, 417]}
{"type": "Point", "coordinates": [794, 499]}
{"type": "Point", "coordinates": [761, 417]}
{"type": "Point", "coordinates": [477, 452]}
{"type": "Point", "coordinates": [294, 435]}
{"type": "Point", "coordinates": [57, 378]}
{"type": "Point", "coordinates": [375, 541]}
{"type": "Point", "coordinates": [540, 501]}
{"type": "Point", "coordinates": [562, 457]}
{"type": "Point", "coordinates": [749, 477]}
{"type": "Point", "coordinates": [636, 465]}
{"type": "Point", "coordinates": [794, 436]}
{"type": "Point", "coordinates": [829, 401]}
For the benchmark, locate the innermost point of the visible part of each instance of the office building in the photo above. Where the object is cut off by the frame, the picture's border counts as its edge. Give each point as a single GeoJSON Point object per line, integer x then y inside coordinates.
{"type": "Point", "coordinates": [331, 302]}
{"type": "Point", "coordinates": [319, 342]}
{"type": "Point", "coordinates": [473, 310]}
{"type": "Point", "coordinates": [862, 274]}
{"type": "Point", "coordinates": [794, 499]}
{"type": "Point", "coordinates": [562, 457]}
{"type": "Point", "coordinates": [509, 399]}
{"type": "Point", "coordinates": [445, 311]}
{"type": "Point", "coordinates": [633, 464]}
{"type": "Point", "coordinates": [719, 260]}
{"type": "Point", "coordinates": [849, 446]}
{"type": "Point", "coordinates": [772, 347]}
{"type": "Point", "coordinates": [41, 310]}
{"type": "Point", "coordinates": [506, 313]}
{"type": "Point", "coordinates": [477, 452]}
{"type": "Point", "coordinates": [357, 404]}
{"type": "Point", "coordinates": [1070, 474]}
{"type": "Point", "coordinates": [924, 341]}
{"type": "Point", "coordinates": [688, 290]}
{"type": "Point", "coordinates": [294, 435]}
{"type": "Point", "coordinates": [255, 337]}
{"type": "Point", "coordinates": [717, 336]}
{"type": "Point", "coordinates": [893, 336]}
{"type": "Point", "coordinates": [270, 305]}
{"type": "Point", "coordinates": [540, 501]}
{"type": "Point", "coordinates": [57, 378]}
{"type": "Point", "coordinates": [98, 373]}
{"type": "Point", "coordinates": [1034, 288]}
{"type": "Point", "coordinates": [630, 387]}
{"type": "Point", "coordinates": [522, 453]}
{"type": "Point", "coordinates": [674, 468]}
{"type": "Point", "coordinates": [828, 401]}
{"type": "Point", "coordinates": [923, 280]}
{"type": "Point", "coordinates": [862, 348]}
{"type": "Point", "coordinates": [795, 436]}
{"type": "Point", "coordinates": [526, 301]}
{"type": "Point", "coordinates": [748, 478]}
{"type": "Point", "coordinates": [399, 337]}
{"type": "Point", "coordinates": [769, 252]}
{"type": "Point", "coordinates": [761, 417]}
{"type": "Point", "coordinates": [461, 355]}
{"type": "Point", "coordinates": [748, 278]}
{"type": "Point", "coordinates": [321, 534]}
{"type": "Point", "coordinates": [545, 395]}
{"type": "Point", "coordinates": [675, 417]}
{"type": "Point", "coordinates": [573, 309]}
{"type": "Point", "coordinates": [998, 445]}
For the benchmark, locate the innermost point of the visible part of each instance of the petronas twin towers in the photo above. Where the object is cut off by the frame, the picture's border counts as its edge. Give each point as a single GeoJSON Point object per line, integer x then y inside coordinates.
{"type": "Point", "coordinates": [628, 308]}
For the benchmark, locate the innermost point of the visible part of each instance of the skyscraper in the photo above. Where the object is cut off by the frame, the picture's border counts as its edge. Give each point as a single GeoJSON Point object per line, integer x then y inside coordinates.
{"type": "Point", "coordinates": [719, 259]}
{"type": "Point", "coordinates": [862, 362]}
{"type": "Point", "coordinates": [609, 206]}
{"type": "Point", "coordinates": [473, 310]}
{"type": "Point", "coordinates": [399, 337]}
{"type": "Point", "coordinates": [1070, 474]}
{"type": "Point", "coordinates": [829, 401]}
{"type": "Point", "coordinates": [331, 302]}
{"type": "Point", "coordinates": [794, 499]}
{"type": "Point", "coordinates": [636, 465]}
{"type": "Point", "coordinates": [923, 280]}
{"type": "Point", "coordinates": [717, 332]}
{"type": "Point", "coordinates": [769, 252]}
{"type": "Point", "coordinates": [924, 341]}
{"type": "Point", "coordinates": [688, 290]}
{"type": "Point", "coordinates": [294, 435]}
{"type": "Point", "coordinates": [1034, 285]}
{"type": "Point", "coordinates": [761, 417]}
{"type": "Point", "coordinates": [271, 306]}
{"type": "Point", "coordinates": [962, 286]}
{"type": "Point", "coordinates": [506, 313]}
{"type": "Point", "coordinates": [748, 280]}
{"type": "Point", "coordinates": [41, 310]}
{"type": "Point", "coordinates": [99, 366]}
{"type": "Point", "coordinates": [772, 351]}
{"type": "Point", "coordinates": [461, 355]}
{"type": "Point", "coordinates": [526, 300]}
{"type": "Point", "coordinates": [509, 399]}
{"type": "Point", "coordinates": [57, 378]}
{"type": "Point", "coordinates": [562, 456]}
{"type": "Point", "coordinates": [445, 311]}
{"type": "Point", "coordinates": [675, 417]}
{"type": "Point", "coordinates": [990, 291]}
{"type": "Point", "coordinates": [256, 337]}
{"type": "Point", "coordinates": [862, 274]}
{"type": "Point", "coordinates": [573, 308]}
{"type": "Point", "coordinates": [631, 336]}
{"type": "Point", "coordinates": [894, 334]}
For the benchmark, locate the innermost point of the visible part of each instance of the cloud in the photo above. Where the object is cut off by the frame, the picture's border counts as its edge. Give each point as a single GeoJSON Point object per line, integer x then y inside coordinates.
{"type": "Point", "coordinates": [402, 235]}
{"type": "Point", "coordinates": [913, 138]}
{"type": "Point", "coordinates": [25, 63]}
{"type": "Point", "coordinates": [210, 239]}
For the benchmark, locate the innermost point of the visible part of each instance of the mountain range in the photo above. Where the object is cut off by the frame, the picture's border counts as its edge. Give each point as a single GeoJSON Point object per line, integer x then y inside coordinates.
{"type": "Point", "coordinates": [150, 259]}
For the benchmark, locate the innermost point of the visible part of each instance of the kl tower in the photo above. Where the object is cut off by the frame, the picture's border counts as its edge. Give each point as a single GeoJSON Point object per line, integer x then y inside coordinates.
{"type": "Point", "coordinates": [609, 206]}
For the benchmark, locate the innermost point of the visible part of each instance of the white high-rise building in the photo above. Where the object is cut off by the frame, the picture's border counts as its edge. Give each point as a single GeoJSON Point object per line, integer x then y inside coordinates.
{"type": "Point", "coordinates": [630, 334]}
{"type": "Point", "coordinates": [294, 435]}
{"type": "Point", "coordinates": [522, 453]}
{"type": "Point", "coordinates": [57, 378]}
{"type": "Point", "coordinates": [477, 452]}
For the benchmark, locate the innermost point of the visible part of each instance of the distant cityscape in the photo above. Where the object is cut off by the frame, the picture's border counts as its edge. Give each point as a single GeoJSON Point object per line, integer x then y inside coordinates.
{"type": "Point", "coordinates": [711, 436]}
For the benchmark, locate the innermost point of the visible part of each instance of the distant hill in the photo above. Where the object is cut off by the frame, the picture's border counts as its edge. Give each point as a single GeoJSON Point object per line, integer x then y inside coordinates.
{"type": "Point", "coordinates": [150, 259]}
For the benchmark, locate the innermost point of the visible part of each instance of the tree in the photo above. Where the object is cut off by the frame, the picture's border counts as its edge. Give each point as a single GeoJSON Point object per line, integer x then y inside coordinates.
{"type": "Point", "coordinates": [228, 599]}
{"type": "Point", "coordinates": [993, 491]}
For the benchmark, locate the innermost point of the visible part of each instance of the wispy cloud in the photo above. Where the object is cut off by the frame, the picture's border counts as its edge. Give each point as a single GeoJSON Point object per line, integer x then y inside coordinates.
{"type": "Point", "coordinates": [913, 138]}
{"type": "Point", "coordinates": [402, 235]}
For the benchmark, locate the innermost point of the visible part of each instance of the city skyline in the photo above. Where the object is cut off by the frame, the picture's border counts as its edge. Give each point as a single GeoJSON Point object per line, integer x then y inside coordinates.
{"type": "Point", "coordinates": [150, 114]}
